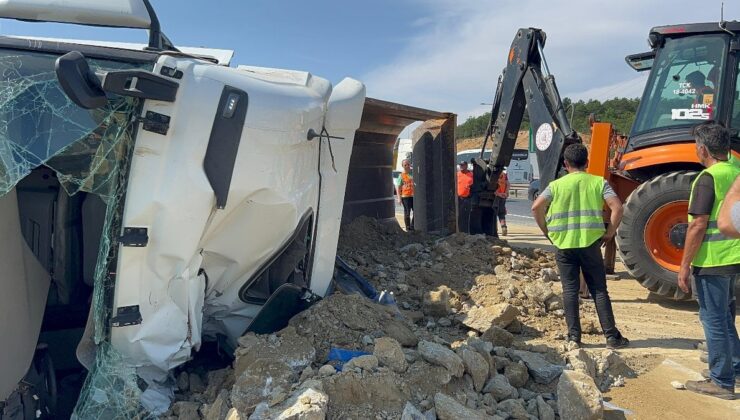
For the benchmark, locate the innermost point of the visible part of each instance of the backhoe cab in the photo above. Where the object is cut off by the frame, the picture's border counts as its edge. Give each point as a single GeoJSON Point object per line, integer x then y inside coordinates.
{"type": "Point", "coordinates": [693, 78]}
{"type": "Point", "coordinates": [153, 198]}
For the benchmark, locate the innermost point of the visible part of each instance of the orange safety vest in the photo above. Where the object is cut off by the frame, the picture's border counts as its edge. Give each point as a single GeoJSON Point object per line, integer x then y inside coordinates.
{"type": "Point", "coordinates": [464, 182]}
{"type": "Point", "coordinates": [502, 180]}
{"type": "Point", "coordinates": [407, 185]}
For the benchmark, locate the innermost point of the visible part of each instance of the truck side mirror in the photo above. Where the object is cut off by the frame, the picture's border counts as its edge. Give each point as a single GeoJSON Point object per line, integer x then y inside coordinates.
{"type": "Point", "coordinates": [78, 82]}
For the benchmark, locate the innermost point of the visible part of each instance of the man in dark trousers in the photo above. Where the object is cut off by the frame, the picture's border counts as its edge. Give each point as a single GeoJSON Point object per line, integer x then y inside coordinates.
{"type": "Point", "coordinates": [715, 259]}
{"type": "Point", "coordinates": [574, 224]}
{"type": "Point", "coordinates": [464, 182]}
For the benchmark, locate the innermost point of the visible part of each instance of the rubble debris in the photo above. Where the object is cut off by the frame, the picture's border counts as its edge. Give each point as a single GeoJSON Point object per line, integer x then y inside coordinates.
{"type": "Point", "coordinates": [678, 385]}
{"type": "Point", "coordinates": [449, 409]}
{"type": "Point", "coordinates": [482, 318]}
{"type": "Point", "coordinates": [578, 397]}
{"type": "Point", "coordinates": [459, 348]}
{"type": "Point", "coordinates": [390, 354]}
{"type": "Point", "coordinates": [541, 370]}
{"type": "Point", "coordinates": [438, 354]}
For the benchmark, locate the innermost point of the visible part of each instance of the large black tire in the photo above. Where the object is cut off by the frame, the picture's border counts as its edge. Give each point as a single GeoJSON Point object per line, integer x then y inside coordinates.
{"type": "Point", "coordinates": [662, 190]}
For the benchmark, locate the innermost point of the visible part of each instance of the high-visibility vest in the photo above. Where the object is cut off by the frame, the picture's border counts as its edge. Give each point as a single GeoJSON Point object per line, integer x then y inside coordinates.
{"type": "Point", "coordinates": [717, 249]}
{"type": "Point", "coordinates": [575, 217]}
{"type": "Point", "coordinates": [464, 182]}
{"type": "Point", "coordinates": [407, 185]}
{"type": "Point", "coordinates": [502, 180]}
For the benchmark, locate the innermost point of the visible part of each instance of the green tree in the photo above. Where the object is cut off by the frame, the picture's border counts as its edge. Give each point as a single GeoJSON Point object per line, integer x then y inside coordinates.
{"type": "Point", "coordinates": [618, 111]}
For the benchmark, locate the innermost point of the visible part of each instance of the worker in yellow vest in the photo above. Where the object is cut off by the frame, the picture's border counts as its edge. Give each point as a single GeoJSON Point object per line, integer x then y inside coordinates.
{"type": "Point", "coordinates": [570, 213]}
{"type": "Point", "coordinates": [405, 190]}
{"type": "Point", "coordinates": [714, 260]}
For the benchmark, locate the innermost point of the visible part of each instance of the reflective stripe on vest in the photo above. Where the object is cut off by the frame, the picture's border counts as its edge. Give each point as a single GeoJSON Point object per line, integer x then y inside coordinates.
{"type": "Point", "coordinates": [575, 216]}
{"type": "Point", "coordinates": [716, 249]}
{"type": "Point", "coordinates": [407, 185]}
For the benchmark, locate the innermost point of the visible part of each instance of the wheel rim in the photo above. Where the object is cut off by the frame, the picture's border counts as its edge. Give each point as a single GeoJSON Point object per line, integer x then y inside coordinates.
{"type": "Point", "coordinates": [657, 234]}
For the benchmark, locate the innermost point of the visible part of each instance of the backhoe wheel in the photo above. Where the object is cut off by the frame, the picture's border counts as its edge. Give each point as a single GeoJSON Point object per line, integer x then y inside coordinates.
{"type": "Point", "coordinates": [650, 236]}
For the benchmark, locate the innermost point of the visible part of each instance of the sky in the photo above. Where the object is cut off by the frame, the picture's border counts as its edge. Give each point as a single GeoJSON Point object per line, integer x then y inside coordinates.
{"type": "Point", "coordinates": [444, 55]}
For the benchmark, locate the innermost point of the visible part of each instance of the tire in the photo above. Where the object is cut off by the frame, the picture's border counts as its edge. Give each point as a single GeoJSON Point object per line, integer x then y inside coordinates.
{"type": "Point", "coordinates": [649, 213]}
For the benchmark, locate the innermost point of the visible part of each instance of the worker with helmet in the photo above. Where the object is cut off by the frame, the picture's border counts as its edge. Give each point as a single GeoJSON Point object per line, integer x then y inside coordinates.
{"type": "Point", "coordinates": [575, 225]}
{"type": "Point", "coordinates": [405, 190]}
{"type": "Point", "coordinates": [464, 182]}
{"type": "Point", "coordinates": [714, 260]}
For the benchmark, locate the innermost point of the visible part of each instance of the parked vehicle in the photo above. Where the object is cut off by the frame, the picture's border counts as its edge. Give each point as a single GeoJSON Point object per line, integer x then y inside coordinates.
{"type": "Point", "coordinates": [534, 190]}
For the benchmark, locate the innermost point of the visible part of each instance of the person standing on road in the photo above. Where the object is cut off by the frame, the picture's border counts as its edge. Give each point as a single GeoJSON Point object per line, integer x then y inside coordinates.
{"type": "Point", "coordinates": [405, 190]}
{"type": "Point", "coordinates": [502, 193]}
{"type": "Point", "coordinates": [715, 259]}
{"type": "Point", "coordinates": [575, 225]}
{"type": "Point", "coordinates": [464, 182]}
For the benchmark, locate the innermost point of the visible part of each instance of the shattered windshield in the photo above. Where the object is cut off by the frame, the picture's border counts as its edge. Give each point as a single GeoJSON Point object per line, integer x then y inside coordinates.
{"type": "Point", "coordinates": [683, 87]}
{"type": "Point", "coordinates": [39, 125]}
{"type": "Point", "coordinates": [89, 151]}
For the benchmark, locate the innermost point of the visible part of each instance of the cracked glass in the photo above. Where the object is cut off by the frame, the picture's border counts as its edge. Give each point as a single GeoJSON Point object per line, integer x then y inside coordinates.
{"type": "Point", "coordinates": [89, 151]}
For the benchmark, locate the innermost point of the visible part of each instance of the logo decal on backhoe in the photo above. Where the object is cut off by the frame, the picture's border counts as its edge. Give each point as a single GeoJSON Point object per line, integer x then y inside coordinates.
{"type": "Point", "coordinates": [690, 114]}
{"type": "Point", "coordinates": [543, 137]}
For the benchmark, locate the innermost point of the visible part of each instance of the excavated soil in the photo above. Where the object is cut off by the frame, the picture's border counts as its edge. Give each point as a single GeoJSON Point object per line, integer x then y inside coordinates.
{"type": "Point", "coordinates": [477, 332]}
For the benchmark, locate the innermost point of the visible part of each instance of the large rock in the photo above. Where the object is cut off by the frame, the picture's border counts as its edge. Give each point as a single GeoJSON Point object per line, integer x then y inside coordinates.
{"type": "Point", "coordinates": [514, 408]}
{"type": "Point", "coordinates": [448, 408]}
{"type": "Point", "coordinates": [364, 362]}
{"type": "Point", "coordinates": [582, 362]}
{"type": "Point", "coordinates": [498, 336]}
{"type": "Point", "coordinates": [436, 303]}
{"type": "Point", "coordinates": [307, 403]}
{"type": "Point", "coordinates": [517, 374]}
{"type": "Point", "coordinates": [220, 406]}
{"type": "Point", "coordinates": [410, 412]}
{"type": "Point", "coordinates": [540, 369]}
{"type": "Point", "coordinates": [390, 354]}
{"type": "Point", "coordinates": [482, 318]}
{"type": "Point", "coordinates": [286, 346]}
{"type": "Point", "coordinates": [186, 410]}
{"type": "Point", "coordinates": [483, 348]}
{"type": "Point", "coordinates": [263, 380]}
{"type": "Point", "coordinates": [544, 410]}
{"type": "Point", "coordinates": [476, 365]}
{"type": "Point", "coordinates": [539, 291]}
{"type": "Point", "coordinates": [500, 388]}
{"type": "Point", "coordinates": [578, 397]}
{"type": "Point", "coordinates": [438, 354]}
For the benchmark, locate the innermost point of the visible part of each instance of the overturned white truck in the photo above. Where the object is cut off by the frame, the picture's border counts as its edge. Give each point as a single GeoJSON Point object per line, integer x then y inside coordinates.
{"type": "Point", "coordinates": [152, 197]}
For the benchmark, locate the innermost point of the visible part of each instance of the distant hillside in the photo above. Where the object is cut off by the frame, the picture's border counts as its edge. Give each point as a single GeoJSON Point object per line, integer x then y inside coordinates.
{"type": "Point", "coordinates": [618, 111]}
{"type": "Point", "coordinates": [522, 141]}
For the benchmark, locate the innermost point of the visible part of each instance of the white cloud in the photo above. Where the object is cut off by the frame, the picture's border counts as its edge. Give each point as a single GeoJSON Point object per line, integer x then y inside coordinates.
{"type": "Point", "coordinates": [461, 45]}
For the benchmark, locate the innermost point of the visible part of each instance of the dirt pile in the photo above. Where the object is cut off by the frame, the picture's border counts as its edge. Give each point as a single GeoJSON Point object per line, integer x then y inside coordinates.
{"type": "Point", "coordinates": [455, 346]}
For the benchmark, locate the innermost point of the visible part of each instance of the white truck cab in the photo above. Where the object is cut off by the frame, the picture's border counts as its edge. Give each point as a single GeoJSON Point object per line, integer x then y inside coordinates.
{"type": "Point", "coordinates": [152, 197]}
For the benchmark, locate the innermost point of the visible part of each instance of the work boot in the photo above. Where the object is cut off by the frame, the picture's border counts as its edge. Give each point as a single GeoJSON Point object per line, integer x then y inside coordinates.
{"type": "Point", "coordinates": [504, 231]}
{"type": "Point", "coordinates": [572, 343]}
{"type": "Point", "coordinates": [617, 343]}
{"type": "Point", "coordinates": [706, 373]}
{"type": "Point", "coordinates": [708, 387]}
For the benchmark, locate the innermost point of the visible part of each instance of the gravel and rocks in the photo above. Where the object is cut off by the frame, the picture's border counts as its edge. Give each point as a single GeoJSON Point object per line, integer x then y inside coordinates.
{"type": "Point", "coordinates": [456, 346]}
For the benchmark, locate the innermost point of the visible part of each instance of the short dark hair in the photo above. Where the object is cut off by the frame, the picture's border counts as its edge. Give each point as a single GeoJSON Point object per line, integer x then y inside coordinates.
{"type": "Point", "coordinates": [715, 137]}
{"type": "Point", "coordinates": [576, 155]}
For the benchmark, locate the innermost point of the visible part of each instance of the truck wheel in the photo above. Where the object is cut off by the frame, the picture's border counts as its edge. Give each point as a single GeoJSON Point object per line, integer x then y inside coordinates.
{"type": "Point", "coordinates": [650, 238]}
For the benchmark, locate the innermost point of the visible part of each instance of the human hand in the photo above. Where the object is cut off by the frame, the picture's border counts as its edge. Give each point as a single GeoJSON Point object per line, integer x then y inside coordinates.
{"type": "Point", "coordinates": [606, 238]}
{"type": "Point", "coordinates": [684, 279]}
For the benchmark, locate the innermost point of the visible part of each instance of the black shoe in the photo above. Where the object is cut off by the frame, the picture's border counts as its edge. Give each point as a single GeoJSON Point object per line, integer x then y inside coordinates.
{"type": "Point", "coordinates": [617, 343]}
{"type": "Point", "coordinates": [572, 342]}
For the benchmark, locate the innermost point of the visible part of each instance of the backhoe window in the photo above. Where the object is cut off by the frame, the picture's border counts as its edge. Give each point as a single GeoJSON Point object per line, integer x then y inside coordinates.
{"type": "Point", "coordinates": [735, 122]}
{"type": "Point", "coordinates": [683, 85]}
